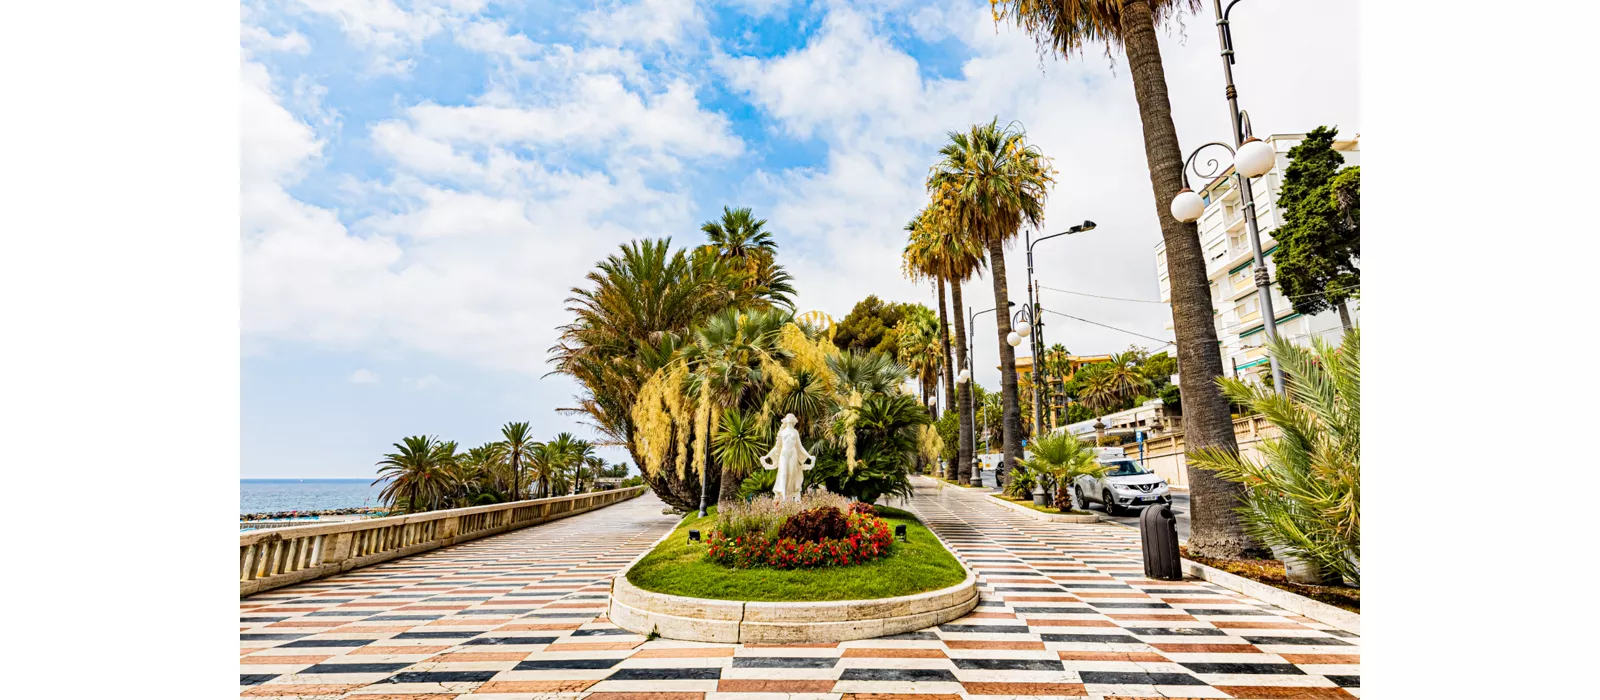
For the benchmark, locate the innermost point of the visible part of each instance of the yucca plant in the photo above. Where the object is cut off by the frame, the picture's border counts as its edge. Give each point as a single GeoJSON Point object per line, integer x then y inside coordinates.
{"type": "Point", "coordinates": [1304, 498]}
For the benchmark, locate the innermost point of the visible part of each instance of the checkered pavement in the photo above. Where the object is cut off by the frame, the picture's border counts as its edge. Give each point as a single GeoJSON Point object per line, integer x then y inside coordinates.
{"type": "Point", "coordinates": [1065, 612]}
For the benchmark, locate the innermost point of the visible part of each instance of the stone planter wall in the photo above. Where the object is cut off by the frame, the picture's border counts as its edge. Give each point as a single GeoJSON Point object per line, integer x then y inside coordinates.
{"type": "Point", "coordinates": [734, 621]}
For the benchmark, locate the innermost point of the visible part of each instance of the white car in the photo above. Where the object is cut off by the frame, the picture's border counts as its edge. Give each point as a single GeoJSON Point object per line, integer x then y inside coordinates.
{"type": "Point", "coordinates": [1125, 484]}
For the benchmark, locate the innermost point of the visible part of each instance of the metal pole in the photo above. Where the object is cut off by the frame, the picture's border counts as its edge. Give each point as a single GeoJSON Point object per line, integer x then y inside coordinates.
{"type": "Point", "coordinates": [1033, 342]}
{"type": "Point", "coordinates": [1240, 133]}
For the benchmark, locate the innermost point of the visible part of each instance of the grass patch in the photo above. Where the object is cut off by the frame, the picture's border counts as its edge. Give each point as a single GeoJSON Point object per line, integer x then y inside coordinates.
{"type": "Point", "coordinates": [676, 567]}
{"type": "Point", "coordinates": [956, 483]}
{"type": "Point", "coordinates": [1271, 572]}
{"type": "Point", "coordinates": [1042, 509]}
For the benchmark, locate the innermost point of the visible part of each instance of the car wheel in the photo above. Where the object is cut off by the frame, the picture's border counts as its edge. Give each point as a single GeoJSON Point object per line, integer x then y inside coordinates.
{"type": "Point", "coordinates": [1078, 501]}
{"type": "Point", "coordinates": [1110, 503]}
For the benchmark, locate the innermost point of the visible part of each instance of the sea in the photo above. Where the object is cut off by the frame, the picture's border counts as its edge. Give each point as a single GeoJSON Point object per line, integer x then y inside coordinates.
{"type": "Point", "coordinates": [275, 495]}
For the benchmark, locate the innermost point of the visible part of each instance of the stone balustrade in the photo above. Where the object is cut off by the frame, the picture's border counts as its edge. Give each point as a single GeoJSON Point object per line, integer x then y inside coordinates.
{"type": "Point", "coordinates": [278, 557]}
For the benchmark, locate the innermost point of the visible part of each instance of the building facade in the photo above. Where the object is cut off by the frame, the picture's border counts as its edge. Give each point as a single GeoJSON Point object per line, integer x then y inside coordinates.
{"type": "Point", "coordinates": [1230, 265]}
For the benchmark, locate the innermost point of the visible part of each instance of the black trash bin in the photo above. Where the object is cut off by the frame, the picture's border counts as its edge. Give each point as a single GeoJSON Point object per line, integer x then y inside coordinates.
{"type": "Point", "coordinates": [1158, 535]}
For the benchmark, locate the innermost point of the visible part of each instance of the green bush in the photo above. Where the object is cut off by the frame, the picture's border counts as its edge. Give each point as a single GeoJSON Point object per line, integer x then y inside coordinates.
{"type": "Point", "coordinates": [1304, 497]}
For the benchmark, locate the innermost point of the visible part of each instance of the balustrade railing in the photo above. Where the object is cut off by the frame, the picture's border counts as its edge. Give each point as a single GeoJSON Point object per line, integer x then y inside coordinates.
{"type": "Point", "coordinates": [278, 557]}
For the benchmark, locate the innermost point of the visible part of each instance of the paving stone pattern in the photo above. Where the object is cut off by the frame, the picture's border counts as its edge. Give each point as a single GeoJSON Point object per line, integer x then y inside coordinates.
{"type": "Point", "coordinates": [1065, 612]}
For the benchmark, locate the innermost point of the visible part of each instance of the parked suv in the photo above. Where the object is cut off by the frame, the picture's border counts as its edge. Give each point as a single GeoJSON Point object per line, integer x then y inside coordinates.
{"type": "Point", "coordinates": [1125, 484]}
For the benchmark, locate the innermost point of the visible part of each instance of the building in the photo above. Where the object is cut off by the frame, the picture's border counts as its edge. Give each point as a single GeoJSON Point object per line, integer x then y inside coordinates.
{"type": "Point", "coordinates": [1150, 418]}
{"type": "Point", "coordinates": [1230, 264]}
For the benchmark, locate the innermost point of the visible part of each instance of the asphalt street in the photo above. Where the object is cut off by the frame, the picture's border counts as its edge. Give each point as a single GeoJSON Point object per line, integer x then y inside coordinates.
{"type": "Point", "coordinates": [1180, 508]}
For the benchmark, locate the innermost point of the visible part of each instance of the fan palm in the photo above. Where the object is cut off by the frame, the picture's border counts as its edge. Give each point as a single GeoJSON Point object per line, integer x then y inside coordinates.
{"type": "Point", "coordinates": [1065, 28]}
{"type": "Point", "coordinates": [413, 472]}
{"type": "Point", "coordinates": [742, 240]}
{"type": "Point", "coordinates": [993, 183]}
{"type": "Point", "coordinates": [938, 249]}
{"type": "Point", "coordinates": [1063, 458]}
{"type": "Point", "coordinates": [1304, 497]}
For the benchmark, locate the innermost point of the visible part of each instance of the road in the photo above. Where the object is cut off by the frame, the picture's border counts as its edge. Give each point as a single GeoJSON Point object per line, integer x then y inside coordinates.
{"type": "Point", "coordinates": [1180, 508]}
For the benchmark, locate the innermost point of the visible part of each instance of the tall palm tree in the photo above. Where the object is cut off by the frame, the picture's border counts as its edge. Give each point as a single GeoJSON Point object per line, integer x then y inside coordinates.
{"type": "Point", "coordinates": [1127, 378]}
{"type": "Point", "coordinates": [938, 249]}
{"type": "Point", "coordinates": [995, 183]}
{"type": "Point", "coordinates": [517, 443]}
{"type": "Point", "coordinates": [1066, 27]}
{"type": "Point", "coordinates": [413, 472]}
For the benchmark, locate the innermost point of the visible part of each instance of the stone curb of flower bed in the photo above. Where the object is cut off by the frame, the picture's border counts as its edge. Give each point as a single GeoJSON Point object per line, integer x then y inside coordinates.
{"type": "Point", "coordinates": [735, 621]}
{"type": "Point", "coordinates": [1293, 602]}
{"type": "Point", "coordinates": [1049, 517]}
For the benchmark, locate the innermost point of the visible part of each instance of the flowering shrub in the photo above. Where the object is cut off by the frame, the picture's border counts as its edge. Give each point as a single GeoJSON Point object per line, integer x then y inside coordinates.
{"type": "Point", "coordinates": [866, 538]}
{"type": "Point", "coordinates": [763, 516]}
{"type": "Point", "coordinates": [863, 508]}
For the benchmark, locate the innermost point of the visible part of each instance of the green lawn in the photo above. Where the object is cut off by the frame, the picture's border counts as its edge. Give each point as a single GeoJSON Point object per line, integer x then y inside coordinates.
{"type": "Point", "coordinates": [1042, 509]}
{"type": "Point", "coordinates": [677, 567]}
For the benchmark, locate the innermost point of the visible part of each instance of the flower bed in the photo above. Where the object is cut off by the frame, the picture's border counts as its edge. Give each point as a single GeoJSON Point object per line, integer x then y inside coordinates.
{"type": "Point", "coordinates": [865, 538]}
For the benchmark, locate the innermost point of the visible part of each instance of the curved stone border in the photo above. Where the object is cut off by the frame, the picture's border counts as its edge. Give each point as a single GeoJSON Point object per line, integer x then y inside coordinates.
{"type": "Point", "coordinates": [1048, 517]}
{"type": "Point", "coordinates": [1293, 602]}
{"type": "Point", "coordinates": [734, 621]}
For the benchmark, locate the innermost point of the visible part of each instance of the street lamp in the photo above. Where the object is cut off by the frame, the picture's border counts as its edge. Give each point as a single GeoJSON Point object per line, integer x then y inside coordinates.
{"type": "Point", "coordinates": [1038, 315]}
{"type": "Point", "coordinates": [1252, 158]}
{"type": "Point", "coordinates": [972, 360]}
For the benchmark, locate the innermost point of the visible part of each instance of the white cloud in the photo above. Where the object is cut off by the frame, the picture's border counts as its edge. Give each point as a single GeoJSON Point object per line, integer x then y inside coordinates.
{"type": "Point", "coordinates": [424, 384]}
{"type": "Point", "coordinates": [363, 376]}
{"type": "Point", "coordinates": [259, 40]}
{"type": "Point", "coordinates": [645, 22]}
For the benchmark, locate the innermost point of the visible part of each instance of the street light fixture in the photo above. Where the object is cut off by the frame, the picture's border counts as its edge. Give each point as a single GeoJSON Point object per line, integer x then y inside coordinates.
{"type": "Point", "coordinates": [1252, 158]}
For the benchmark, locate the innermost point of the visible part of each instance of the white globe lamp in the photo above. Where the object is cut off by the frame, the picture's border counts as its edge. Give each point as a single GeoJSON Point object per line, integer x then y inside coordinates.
{"type": "Point", "coordinates": [1024, 328]}
{"type": "Point", "coordinates": [1013, 339]}
{"type": "Point", "coordinates": [1187, 206]}
{"type": "Point", "coordinates": [963, 376]}
{"type": "Point", "coordinates": [1254, 158]}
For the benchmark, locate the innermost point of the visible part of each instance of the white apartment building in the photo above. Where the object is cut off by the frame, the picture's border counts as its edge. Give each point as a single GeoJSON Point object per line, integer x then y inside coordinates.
{"type": "Point", "coordinates": [1230, 264]}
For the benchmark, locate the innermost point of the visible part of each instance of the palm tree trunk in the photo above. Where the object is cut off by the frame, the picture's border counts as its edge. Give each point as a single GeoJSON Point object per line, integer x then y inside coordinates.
{"type": "Point", "coordinates": [950, 368]}
{"type": "Point", "coordinates": [1011, 413]}
{"type": "Point", "coordinates": [1344, 316]}
{"type": "Point", "coordinates": [516, 476]}
{"type": "Point", "coordinates": [963, 470]}
{"type": "Point", "coordinates": [729, 492]}
{"type": "Point", "coordinates": [1215, 530]}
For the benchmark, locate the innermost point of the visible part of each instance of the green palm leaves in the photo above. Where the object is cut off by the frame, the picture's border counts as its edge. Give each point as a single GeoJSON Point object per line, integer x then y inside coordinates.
{"type": "Point", "coordinates": [990, 181]}
{"type": "Point", "coordinates": [1303, 496]}
{"type": "Point", "coordinates": [418, 472]}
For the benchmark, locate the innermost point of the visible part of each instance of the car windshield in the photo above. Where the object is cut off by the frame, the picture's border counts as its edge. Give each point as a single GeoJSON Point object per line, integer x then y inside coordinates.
{"type": "Point", "coordinates": [1124, 467]}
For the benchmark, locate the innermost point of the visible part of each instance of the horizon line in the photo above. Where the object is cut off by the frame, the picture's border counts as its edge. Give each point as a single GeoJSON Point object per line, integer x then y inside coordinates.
{"type": "Point", "coordinates": [247, 478]}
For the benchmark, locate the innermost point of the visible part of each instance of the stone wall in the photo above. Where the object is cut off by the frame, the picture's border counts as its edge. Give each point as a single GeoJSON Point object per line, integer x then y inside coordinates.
{"type": "Point", "coordinates": [272, 558]}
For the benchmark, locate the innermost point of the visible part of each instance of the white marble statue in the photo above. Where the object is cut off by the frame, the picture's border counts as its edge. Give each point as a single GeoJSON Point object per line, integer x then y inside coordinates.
{"type": "Point", "coordinates": [791, 460]}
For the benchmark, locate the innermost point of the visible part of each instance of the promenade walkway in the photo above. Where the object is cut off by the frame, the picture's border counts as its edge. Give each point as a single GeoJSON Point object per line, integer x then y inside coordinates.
{"type": "Point", "coordinates": [1065, 612]}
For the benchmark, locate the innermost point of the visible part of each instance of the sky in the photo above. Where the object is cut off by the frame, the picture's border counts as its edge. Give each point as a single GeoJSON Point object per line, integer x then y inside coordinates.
{"type": "Point", "coordinates": [422, 183]}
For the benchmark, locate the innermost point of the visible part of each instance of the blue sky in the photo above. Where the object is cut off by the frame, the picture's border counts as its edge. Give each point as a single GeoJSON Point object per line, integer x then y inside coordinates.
{"type": "Point", "coordinates": [423, 182]}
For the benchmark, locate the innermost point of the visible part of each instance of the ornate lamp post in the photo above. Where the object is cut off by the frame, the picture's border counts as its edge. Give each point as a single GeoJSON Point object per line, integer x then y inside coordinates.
{"type": "Point", "coordinates": [1253, 158]}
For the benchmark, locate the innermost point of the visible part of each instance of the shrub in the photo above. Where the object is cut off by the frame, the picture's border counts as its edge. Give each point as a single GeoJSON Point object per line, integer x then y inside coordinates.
{"type": "Point", "coordinates": [816, 525]}
{"type": "Point", "coordinates": [863, 508]}
{"type": "Point", "coordinates": [762, 516]}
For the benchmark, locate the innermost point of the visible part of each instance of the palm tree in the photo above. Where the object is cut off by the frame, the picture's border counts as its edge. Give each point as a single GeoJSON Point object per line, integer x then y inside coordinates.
{"type": "Point", "coordinates": [1127, 377]}
{"type": "Point", "coordinates": [481, 471]}
{"type": "Point", "coordinates": [742, 240]}
{"type": "Point", "coordinates": [413, 471]}
{"type": "Point", "coordinates": [1066, 27]}
{"type": "Point", "coordinates": [517, 444]}
{"type": "Point", "coordinates": [1303, 497]}
{"type": "Point", "coordinates": [938, 249]}
{"type": "Point", "coordinates": [1063, 458]}
{"type": "Point", "coordinates": [629, 322]}
{"type": "Point", "coordinates": [994, 182]}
